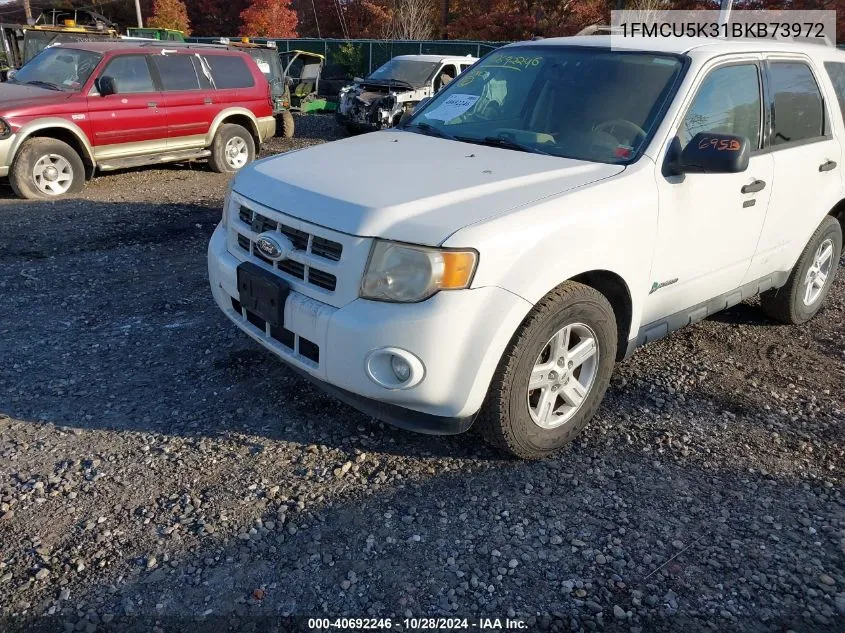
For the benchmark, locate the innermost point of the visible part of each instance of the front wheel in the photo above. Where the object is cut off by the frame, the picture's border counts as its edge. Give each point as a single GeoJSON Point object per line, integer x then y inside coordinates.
{"type": "Point", "coordinates": [46, 168]}
{"type": "Point", "coordinates": [232, 148]}
{"type": "Point", "coordinates": [810, 279]}
{"type": "Point", "coordinates": [553, 374]}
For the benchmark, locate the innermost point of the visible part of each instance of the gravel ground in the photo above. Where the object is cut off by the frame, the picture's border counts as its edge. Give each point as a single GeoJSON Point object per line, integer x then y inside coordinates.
{"type": "Point", "coordinates": [155, 463]}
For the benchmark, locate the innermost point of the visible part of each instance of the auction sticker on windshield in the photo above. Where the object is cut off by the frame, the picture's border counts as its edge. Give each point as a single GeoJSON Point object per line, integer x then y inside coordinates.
{"type": "Point", "coordinates": [453, 107]}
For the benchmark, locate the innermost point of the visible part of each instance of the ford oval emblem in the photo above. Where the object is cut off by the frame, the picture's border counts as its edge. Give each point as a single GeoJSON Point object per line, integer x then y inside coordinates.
{"type": "Point", "coordinates": [274, 246]}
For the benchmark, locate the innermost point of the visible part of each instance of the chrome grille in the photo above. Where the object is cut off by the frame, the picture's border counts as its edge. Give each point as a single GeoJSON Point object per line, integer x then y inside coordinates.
{"type": "Point", "coordinates": [319, 247]}
{"type": "Point", "coordinates": [303, 242]}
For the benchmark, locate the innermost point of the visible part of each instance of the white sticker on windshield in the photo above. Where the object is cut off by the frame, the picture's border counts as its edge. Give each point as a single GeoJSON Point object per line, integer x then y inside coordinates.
{"type": "Point", "coordinates": [453, 107]}
{"type": "Point", "coordinates": [264, 67]}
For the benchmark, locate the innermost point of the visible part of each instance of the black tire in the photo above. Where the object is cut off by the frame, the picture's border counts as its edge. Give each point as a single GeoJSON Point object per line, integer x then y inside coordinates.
{"type": "Point", "coordinates": [22, 176]}
{"type": "Point", "coordinates": [288, 124]}
{"type": "Point", "coordinates": [219, 160]}
{"type": "Point", "coordinates": [505, 420]}
{"type": "Point", "coordinates": [787, 304]}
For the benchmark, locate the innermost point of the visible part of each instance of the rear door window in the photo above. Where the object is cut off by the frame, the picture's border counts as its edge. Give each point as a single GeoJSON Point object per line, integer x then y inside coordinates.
{"type": "Point", "coordinates": [131, 74]}
{"type": "Point", "coordinates": [837, 77]}
{"type": "Point", "coordinates": [799, 108]}
{"type": "Point", "coordinates": [177, 72]}
{"type": "Point", "coordinates": [229, 71]}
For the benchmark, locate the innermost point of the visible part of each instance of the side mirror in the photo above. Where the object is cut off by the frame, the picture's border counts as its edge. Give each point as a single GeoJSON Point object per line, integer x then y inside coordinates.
{"type": "Point", "coordinates": [107, 86]}
{"type": "Point", "coordinates": [710, 153]}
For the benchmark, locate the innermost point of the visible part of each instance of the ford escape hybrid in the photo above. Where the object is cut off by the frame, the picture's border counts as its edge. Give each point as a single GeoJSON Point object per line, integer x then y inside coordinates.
{"type": "Point", "coordinates": [553, 208]}
{"type": "Point", "coordinates": [85, 106]}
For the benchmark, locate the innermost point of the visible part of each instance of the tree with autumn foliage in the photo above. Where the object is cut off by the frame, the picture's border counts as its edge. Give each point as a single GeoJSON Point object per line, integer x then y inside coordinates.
{"type": "Point", "coordinates": [345, 18]}
{"type": "Point", "coordinates": [269, 18]}
{"type": "Point", "coordinates": [500, 20]}
{"type": "Point", "coordinates": [170, 14]}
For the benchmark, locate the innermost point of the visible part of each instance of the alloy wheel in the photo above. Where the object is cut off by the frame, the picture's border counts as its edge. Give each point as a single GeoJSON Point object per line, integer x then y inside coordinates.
{"type": "Point", "coordinates": [563, 375]}
{"type": "Point", "coordinates": [236, 152]}
{"type": "Point", "coordinates": [52, 174]}
{"type": "Point", "coordinates": [818, 273]}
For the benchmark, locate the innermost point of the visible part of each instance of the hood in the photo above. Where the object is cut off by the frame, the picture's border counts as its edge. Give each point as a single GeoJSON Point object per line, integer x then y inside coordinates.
{"type": "Point", "coordinates": [16, 97]}
{"type": "Point", "coordinates": [406, 186]}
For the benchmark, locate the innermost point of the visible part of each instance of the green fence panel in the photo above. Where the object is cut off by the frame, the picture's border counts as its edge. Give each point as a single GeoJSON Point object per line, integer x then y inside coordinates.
{"type": "Point", "coordinates": [364, 56]}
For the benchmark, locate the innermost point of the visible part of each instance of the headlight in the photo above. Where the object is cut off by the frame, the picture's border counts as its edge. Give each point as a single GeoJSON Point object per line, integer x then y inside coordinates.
{"type": "Point", "coordinates": [5, 129]}
{"type": "Point", "coordinates": [406, 274]}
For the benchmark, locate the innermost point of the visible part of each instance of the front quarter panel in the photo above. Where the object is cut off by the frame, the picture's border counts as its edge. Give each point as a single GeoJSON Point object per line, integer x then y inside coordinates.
{"type": "Point", "coordinates": [609, 225]}
{"type": "Point", "coordinates": [13, 143]}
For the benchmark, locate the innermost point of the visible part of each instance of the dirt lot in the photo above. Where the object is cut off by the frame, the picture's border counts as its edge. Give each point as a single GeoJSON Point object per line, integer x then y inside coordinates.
{"type": "Point", "coordinates": [156, 465]}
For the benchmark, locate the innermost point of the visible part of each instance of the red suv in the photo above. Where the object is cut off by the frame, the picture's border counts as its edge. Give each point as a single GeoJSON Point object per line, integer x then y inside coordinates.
{"type": "Point", "coordinates": [88, 106]}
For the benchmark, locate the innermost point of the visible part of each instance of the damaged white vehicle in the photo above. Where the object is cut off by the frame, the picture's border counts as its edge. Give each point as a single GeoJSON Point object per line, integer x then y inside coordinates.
{"type": "Point", "coordinates": [394, 89]}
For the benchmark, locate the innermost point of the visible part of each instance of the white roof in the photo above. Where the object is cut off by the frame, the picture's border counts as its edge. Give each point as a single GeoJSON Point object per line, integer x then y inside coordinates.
{"type": "Point", "coordinates": [436, 58]}
{"type": "Point", "coordinates": [680, 45]}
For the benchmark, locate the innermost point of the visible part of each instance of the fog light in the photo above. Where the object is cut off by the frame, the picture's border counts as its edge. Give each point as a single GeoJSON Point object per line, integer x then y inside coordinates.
{"type": "Point", "coordinates": [400, 367]}
{"type": "Point", "coordinates": [394, 368]}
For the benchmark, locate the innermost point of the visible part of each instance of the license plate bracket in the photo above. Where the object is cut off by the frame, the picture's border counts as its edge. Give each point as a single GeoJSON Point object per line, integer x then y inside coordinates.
{"type": "Point", "coordinates": [262, 293]}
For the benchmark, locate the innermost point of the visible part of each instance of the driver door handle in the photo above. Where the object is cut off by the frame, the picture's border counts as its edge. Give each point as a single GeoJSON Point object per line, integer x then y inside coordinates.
{"type": "Point", "coordinates": [754, 187]}
{"type": "Point", "coordinates": [152, 104]}
{"type": "Point", "coordinates": [828, 166]}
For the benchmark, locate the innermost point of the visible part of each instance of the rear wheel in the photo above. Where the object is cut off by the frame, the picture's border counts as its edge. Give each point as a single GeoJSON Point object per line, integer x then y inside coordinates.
{"type": "Point", "coordinates": [553, 375]}
{"type": "Point", "coordinates": [288, 125]}
{"type": "Point", "coordinates": [46, 168]}
{"type": "Point", "coordinates": [232, 148]}
{"type": "Point", "coordinates": [809, 282]}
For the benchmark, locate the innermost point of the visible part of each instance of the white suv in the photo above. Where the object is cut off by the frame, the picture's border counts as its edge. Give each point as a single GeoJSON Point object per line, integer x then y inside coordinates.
{"type": "Point", "coordinates": [555, 207]}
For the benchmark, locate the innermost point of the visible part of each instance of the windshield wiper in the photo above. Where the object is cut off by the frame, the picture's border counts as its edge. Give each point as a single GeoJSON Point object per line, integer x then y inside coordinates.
{"type": "Point", "coordinates": [431, 131]}
{"type": "Point", "coordinates": [508, 143]}
{"type": "Point", "coordinates": [44, 84]}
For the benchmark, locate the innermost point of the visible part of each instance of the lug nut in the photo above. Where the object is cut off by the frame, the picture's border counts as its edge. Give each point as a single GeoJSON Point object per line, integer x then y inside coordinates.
{"type": "Point", "coordinates": [552, 375]}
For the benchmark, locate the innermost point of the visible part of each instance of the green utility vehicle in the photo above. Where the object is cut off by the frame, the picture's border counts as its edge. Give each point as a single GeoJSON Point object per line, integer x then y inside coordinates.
{"type": "Point", "coordinates": [149, 33]}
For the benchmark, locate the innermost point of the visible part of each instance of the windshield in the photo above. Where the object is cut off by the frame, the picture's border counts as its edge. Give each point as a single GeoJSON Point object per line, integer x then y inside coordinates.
{"type": "Point", "coordinates": [410, 71]}
{"type": "Point", "coordinates": [267, 60]}
{"type": "Point", "coordinates": [58, 68]}
{"type": "Point", "coordinates": [585, 103]}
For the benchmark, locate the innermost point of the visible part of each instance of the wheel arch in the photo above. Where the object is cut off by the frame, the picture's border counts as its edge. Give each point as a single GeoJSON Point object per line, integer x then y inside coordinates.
{"type": "Point", "coordinates": [838, 212]}
{"type": "Point", "coordinates": [238, 116]}
{"type": "Point", "coordinates": [61, 131]}
{"type": "Point", "coordinates": [616, 291]}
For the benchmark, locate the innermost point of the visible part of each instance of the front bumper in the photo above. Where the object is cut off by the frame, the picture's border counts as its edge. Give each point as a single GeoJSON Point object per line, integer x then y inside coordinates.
{"type": "Point", "coordinates": [458, 336]}
{"type": "Point", "coordinates": [6, 146]}
{"type": "Point", "coordinates": [361, 123]}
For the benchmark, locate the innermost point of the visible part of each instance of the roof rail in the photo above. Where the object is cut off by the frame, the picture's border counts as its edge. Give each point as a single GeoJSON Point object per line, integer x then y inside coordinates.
{"type": "Point", "coordinates": [600, 29]}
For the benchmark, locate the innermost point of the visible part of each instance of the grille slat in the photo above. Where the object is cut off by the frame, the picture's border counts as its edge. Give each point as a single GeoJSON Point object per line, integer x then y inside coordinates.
{"type": "Point", "coordinates": [321, 247]}
{"type": "Point", "coordinates": [322, 279]}
{"type": "Point", "coordinates": [307, 349]}
{"type": "Point", "coordinates": [292, 268]}
{"type": "Point", "coordinates": [299, 238]}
